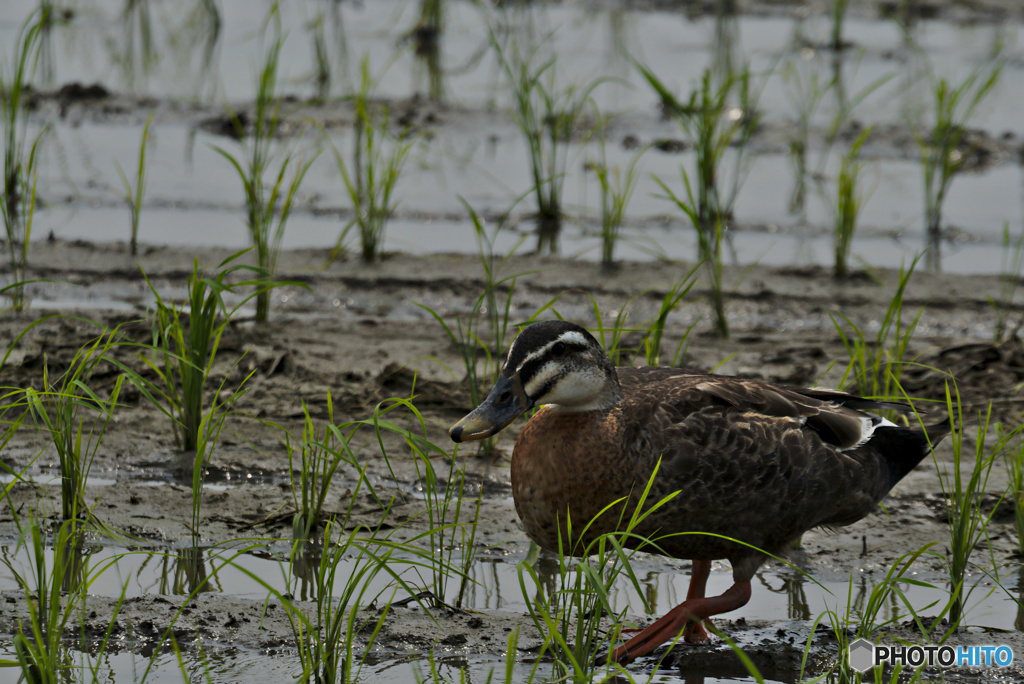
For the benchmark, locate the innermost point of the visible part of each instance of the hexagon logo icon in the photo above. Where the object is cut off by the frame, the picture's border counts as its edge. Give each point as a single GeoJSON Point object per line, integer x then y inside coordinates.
{"type": "Point", "coordinates": [862, 655]}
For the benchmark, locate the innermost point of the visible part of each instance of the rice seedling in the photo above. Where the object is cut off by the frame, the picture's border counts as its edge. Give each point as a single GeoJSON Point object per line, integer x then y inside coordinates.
{"type": "Point", "coordinates": [941, 159]}
{"type": "Point", "coordinates": [208, 435]}
{"type": "Point", "coordinates": [967, 521]}
{"type": "Point", "coordinates": [322, 71]}
{"type": "Point", "coordinates": [182, 356]}
{"type": "Point", "coordinates": [320, 455]}
{"type": "Point", "coordinates": [848, 202]}
{"type": "Point", "coordinates": [876, 366]}
{"type": "Point", "coordinates": [62, 409]}
{"type": "Point", "coordinates": [18, 196]}
{"type": "Point", "coordinates": [12, 414]}
{"type": "Point", "coordinates": [38, 645]}
{"type": "Point", "coordinates": [54, 593]}
{"type": "Point", "coordinates": [710, 246]}
{"type": "Point", "coordinates": [715, 126]}
{"type": "Point", "coordinates": [1015, 470]}
{"type": "Point", "coordinates": [612, 343]}
{"type": "Point", "coordinates": [548, 114]}
{"type": "Point", "coordinates": [430, 25]}
{"type": "Point", "coordinates": [205, 25]}
{"type": "Point", "coordinates": [139, 51]}
{"type": "Point", "coordinates": [837, 14]}
{"type": "Point", "coordinates": [616, 191]}
{"type": "Point", "coordinates": [569, 615]}
{"type": "Point", "coordinates": [1009, 280]}
{"type": "Point", "coordinates": [269, 200]}
{"type": "Point", "coordinates": [327, 640]}
{"type": "Point", "coordinates": [806, 92]}
{"type": "Point", "coordinates": [649, 347]}
{"type": "Point", "coordinates": [449, 529]}
{"type": "Point", "coordinates": [133, 196]}
{"type": "Point", "coordinates": [862, 617]}
{"type": "Point", "coordinates": [185, 344]}
{"type": "Point", "coordinates": [376, 166]}
{"type": "Point", "coordinates": [726, 45]}
{"type": "Point", "coordinates": [650, 343]}
{"type": "Point", "coordinates": [328, 635]}
{"type": "Point", "coordinates": [485, 329]}
{"type": "Point", "coordinates": [427, 39]}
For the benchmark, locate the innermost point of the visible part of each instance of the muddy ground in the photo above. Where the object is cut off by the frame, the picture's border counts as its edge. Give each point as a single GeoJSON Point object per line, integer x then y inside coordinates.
{"type": "Point", "coordinates": [356, 331]}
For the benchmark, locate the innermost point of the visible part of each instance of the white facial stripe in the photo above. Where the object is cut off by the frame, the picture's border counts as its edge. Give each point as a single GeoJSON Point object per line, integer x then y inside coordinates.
{"type": "Point", "coordinates": [546, 372]}
{"type": "Point", "coordinates": [568, 337]}
{"type": "Point", "coordinates": [511, 349]}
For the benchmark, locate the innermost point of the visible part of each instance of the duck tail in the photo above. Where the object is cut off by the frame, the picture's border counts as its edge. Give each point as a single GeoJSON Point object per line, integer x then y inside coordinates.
{"type": "Point", "coordinates": [903, 448]}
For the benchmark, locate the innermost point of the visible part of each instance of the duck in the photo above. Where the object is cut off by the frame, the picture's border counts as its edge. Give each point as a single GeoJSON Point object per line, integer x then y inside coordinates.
{"type": "Point", "coordinates": [725, 468]}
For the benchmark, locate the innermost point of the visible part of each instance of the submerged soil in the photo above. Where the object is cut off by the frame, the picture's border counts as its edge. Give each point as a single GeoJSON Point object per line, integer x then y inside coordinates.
{"type": "Point", "coordinates": [357, 331]}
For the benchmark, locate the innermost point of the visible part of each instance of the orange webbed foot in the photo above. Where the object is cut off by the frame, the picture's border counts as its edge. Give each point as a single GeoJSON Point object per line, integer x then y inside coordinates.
{"type": "Point", "coordinates": [686, 618]}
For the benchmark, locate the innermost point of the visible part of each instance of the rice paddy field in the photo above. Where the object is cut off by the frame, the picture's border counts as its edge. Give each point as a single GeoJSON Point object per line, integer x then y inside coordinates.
{"type": "Point", "coordinates": [259, 257]}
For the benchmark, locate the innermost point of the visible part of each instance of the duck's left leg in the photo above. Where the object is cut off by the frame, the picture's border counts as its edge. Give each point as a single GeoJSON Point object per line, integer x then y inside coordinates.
{"type": "Point", "coordinates": [695, 633]}
{"type": "Point", "coordinates": [675, 621]}
{"type": "Point", "coordinates": [699, 572]}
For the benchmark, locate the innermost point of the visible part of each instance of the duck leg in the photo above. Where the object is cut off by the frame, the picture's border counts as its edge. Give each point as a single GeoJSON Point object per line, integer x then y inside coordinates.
{"type": "Point", "coordinates": [695, 634]}
{"type": "Point", "coordinates": [675, 621]}
{"type": "Point", "coordinates": [699, 572]}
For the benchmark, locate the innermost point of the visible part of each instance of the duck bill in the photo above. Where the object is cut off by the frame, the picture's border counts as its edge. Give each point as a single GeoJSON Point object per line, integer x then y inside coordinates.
{"type": "Point", "coordinates": [506, 402]}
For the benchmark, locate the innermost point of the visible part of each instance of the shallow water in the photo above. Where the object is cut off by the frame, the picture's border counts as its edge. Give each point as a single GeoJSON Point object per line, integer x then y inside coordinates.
{"type": "Point", "coordinates": [243, 666]}
{"type": "Point", "coordinates": [157, 50]}
{"type": "Point", "coordinates": [194, 198]}
{"type": "Point", "coordinates": [778, 590]}
{"type": "Point", "coordinates": [782, 596]}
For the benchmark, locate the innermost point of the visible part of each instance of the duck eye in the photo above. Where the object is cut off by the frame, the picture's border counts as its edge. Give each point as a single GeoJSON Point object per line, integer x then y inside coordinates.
{"type": "Point", "coordinates": [558, 349]}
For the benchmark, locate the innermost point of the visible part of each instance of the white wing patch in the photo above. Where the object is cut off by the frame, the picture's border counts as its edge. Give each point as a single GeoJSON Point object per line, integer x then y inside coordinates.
{"type": "Point", "coordinates": [869, 424]}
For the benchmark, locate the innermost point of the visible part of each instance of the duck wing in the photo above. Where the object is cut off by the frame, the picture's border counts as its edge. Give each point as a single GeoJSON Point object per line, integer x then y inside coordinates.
{"type": "Point", "coordinates": [753, 461]}
{"type": "Point", "coordinates": [837, 417]}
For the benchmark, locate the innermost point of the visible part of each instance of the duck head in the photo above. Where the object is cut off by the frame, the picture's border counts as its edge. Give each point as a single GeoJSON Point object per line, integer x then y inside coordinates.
{"type": "Point", "coordinates": [553, 362]}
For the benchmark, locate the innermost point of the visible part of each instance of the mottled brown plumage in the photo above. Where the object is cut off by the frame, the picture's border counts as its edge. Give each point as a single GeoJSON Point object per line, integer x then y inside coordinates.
{"type": "Point", "coordinates": [740, 454]}
{"type": "Point", "coordinates": [743, 459]}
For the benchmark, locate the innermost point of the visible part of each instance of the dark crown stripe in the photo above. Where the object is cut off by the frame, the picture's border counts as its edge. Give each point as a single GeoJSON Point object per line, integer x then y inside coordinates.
{"type": "Point", "coordinates": [537, 335]}
{"type": "Point", "coordinates": [531, 367]}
